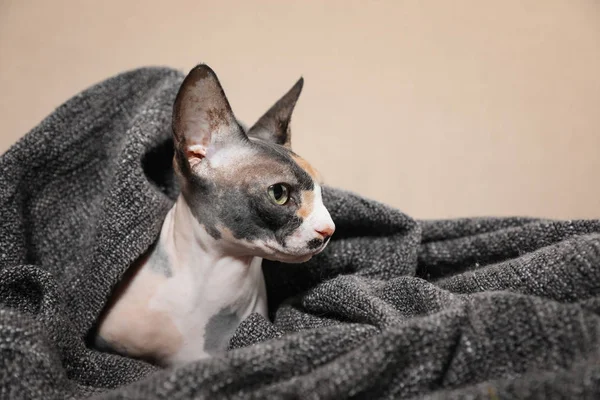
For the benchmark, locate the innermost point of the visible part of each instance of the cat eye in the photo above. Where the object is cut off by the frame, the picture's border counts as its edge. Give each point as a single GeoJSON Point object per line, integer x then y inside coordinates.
{"type": "Point", "coordinates": [279, 193]}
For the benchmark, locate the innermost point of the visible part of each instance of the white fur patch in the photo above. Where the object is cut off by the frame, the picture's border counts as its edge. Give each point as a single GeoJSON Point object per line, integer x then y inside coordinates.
{"type": "Point", "coordinates": [222, 157]}
{"type": "Point", "coordinates": [320, 219]}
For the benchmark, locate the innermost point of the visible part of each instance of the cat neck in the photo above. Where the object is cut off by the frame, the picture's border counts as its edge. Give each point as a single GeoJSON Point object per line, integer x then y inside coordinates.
{"type": "Point", "coordinates": [191, 251]}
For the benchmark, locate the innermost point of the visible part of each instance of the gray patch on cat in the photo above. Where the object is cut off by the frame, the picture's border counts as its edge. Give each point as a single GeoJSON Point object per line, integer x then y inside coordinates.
{"type": "Point", "coordinates": [159, 262]}
{"type": "Point", "coordinates": [242, 205]}
{"type": "Point", "coordinates": [219, 329]}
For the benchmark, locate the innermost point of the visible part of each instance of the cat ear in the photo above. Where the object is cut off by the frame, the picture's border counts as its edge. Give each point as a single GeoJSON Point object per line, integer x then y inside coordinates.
{"type": "Point", "coordinates": [202, 116]}
{"type": "Point", "coordinates": [274, 126]}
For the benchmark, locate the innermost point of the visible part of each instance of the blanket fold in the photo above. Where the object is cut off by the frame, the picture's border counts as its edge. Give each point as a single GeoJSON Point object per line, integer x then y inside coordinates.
{"type": "Point", "coordinates": [488, 308]}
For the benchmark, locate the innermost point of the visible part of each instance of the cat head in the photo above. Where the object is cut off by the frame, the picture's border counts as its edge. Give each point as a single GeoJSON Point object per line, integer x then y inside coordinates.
{"type": "Point", "coordinates": [248, 190]}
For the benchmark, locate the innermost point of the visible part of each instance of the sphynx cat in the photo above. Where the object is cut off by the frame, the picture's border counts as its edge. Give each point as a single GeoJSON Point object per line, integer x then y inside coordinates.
{"type": "Point", "coordinates": [244, 196]}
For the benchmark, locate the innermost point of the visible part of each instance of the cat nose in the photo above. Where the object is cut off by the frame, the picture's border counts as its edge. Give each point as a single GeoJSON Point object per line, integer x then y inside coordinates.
{"type": "Point", "coordinates": [326, 231]}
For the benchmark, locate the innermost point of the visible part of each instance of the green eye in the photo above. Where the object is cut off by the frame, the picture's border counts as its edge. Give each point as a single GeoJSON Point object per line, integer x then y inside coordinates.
{"type": "Point", "coordinates": [279, 193]}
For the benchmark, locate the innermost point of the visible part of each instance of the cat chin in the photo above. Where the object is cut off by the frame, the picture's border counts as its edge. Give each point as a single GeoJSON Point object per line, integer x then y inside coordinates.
{"type": "Point", "coordinates": [293, 258]}
{"type": "Point", "coordinates": [274, 253]}
{"type": "Point", "coordinates": [289, 259]}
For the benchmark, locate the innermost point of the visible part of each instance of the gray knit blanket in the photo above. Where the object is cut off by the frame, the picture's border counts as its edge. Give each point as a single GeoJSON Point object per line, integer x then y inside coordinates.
{"type": "Point", "coordinates": [490, 308]}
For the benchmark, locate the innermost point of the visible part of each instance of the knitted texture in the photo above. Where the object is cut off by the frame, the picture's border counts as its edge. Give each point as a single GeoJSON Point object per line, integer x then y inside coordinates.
{"type": "Point", "coordinates": [490, 308]}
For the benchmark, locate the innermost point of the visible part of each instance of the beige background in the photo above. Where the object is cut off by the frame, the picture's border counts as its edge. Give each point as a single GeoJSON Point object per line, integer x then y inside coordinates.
{"type": "Point", "coordinates": [441, 108]}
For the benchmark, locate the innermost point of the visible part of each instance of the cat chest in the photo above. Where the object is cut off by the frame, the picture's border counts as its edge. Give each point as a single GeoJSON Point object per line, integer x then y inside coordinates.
{"type": "Point", "coordinates": [175, 318]}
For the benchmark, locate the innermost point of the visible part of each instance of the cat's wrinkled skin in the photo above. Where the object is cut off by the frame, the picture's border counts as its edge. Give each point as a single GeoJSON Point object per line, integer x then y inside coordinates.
{"type": "Point", "coordinates": [185, 297]}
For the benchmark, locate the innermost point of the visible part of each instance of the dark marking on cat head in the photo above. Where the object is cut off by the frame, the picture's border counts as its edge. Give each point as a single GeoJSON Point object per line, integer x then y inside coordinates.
{"type": "Point", "coordinates": [238, 198]}
{"type": "Point", "coordinates": [219, 329]}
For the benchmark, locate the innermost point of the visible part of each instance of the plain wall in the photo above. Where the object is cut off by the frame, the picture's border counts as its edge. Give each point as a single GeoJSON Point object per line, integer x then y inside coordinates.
{"type": "Point", "coordinates": [440, 108]}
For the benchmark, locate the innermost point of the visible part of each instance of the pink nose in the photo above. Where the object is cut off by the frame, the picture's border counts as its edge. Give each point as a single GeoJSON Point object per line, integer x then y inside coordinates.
{"type": "Point", "coordinates": [325, 231]}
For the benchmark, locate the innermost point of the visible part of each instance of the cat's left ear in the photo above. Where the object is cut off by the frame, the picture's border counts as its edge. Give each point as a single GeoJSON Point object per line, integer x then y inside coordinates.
{"type": "Point", "coordinates": [274, 125]}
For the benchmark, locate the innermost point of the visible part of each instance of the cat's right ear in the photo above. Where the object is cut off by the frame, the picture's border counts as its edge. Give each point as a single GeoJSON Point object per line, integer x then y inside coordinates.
{"type": "Point", "coordinates": [202, 118]}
